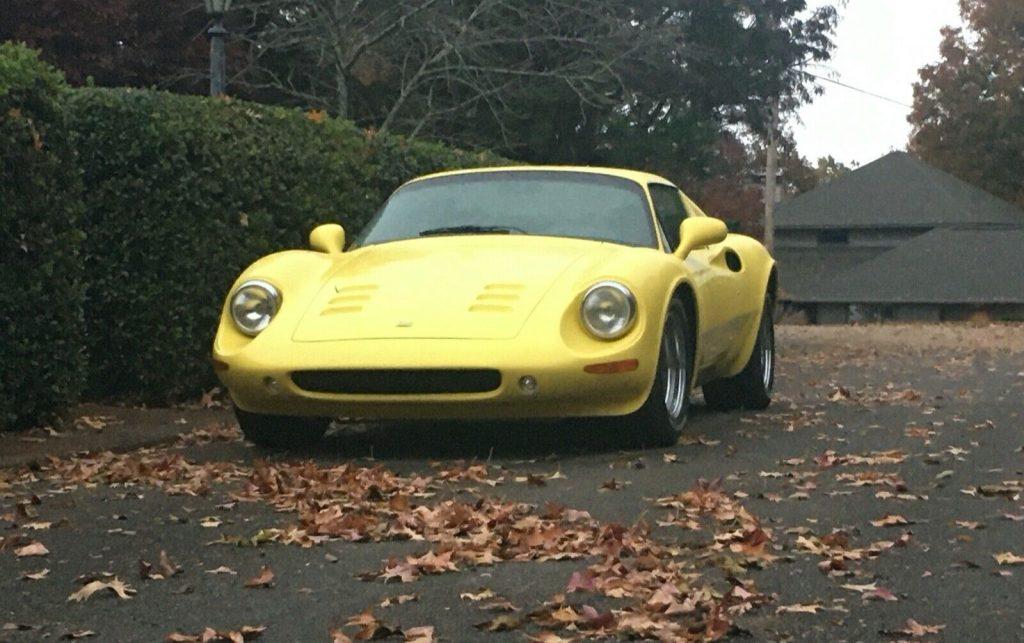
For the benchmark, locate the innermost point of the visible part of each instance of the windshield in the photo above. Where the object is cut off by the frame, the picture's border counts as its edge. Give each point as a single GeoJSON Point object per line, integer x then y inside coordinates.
{"type": "Point", "coordinates": [554, 204]}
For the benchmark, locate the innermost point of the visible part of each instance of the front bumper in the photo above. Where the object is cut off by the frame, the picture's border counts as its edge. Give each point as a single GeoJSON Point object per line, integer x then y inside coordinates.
{"type": "Point", "coordinates": [259, 378]}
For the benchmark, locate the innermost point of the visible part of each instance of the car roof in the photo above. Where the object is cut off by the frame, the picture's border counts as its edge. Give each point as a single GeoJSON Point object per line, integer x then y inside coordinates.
{"type": "Point", "coordinates": [636, 176]}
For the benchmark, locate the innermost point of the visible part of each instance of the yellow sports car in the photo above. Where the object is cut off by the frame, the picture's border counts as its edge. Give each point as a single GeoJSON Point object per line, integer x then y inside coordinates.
{"type": "Point", "coordinates": [526, 292]}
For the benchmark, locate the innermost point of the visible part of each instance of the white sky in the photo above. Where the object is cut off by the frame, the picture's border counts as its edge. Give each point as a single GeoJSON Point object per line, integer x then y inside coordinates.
{"type": "Point", "coordinates": [881, 44]}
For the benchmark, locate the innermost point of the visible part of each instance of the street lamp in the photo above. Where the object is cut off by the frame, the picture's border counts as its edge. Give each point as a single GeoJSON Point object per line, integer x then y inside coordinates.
{"type": "Point", "coordinates": [218, 64]}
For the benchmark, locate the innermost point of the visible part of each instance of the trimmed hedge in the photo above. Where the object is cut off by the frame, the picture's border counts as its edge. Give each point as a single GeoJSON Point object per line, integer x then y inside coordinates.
{"type": "Point", "coordinates": [182, 192]}
{"type": "Point", "coordinates": [41, 355]}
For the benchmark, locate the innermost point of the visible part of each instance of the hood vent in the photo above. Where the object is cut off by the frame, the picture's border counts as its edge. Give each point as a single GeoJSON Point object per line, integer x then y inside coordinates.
{"type": "Point", "coordinates": [497, 298]}
{"type": "Point", "coordinates": [349, 299]}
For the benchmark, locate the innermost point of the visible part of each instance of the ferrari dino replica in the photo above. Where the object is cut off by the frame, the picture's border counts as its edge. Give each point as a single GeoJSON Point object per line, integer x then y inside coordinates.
{"type": "Point", "coordinates": [509, 293]}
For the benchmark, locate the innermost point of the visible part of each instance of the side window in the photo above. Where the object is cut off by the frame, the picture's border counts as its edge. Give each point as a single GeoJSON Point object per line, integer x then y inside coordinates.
{"type": "Point", "coordinates": [668, 206]}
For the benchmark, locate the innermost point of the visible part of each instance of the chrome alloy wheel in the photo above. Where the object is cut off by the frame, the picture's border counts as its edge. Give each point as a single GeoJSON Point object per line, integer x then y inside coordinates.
{"type": "Point", "coordinates": [675, 365]}
{"type": "Point", "coordinates": [767, 343]}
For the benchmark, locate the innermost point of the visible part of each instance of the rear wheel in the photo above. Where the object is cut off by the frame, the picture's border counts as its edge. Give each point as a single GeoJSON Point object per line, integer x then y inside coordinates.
{"type": "Point", "coordinates": [281, 431]}
{"type": "Point", "coordinates": [664, 413]}
{"type": "Point", "coordinates": [752, 387]}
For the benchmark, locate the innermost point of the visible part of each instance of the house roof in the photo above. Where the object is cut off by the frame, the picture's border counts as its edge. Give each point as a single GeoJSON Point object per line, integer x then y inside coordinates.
{"type": "Point", "coordinates": [944, 266]}
{"type": "Point", "coordinates": [896, 191]}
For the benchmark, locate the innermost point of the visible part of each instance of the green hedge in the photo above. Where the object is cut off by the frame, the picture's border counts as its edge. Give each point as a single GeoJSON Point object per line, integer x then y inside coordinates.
{"type": "Point", "coordinates": [40, 274]}
{"type": "Point", "coordinates": [181, 193]}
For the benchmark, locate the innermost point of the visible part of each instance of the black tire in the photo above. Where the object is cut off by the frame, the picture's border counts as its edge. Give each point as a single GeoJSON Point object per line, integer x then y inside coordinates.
{"type": "Point", "coordinates": [281, 431]}
{"type": "Point", "coordinates": [752, 387]}
{"type": "Point", "coordinates": [663, 415]}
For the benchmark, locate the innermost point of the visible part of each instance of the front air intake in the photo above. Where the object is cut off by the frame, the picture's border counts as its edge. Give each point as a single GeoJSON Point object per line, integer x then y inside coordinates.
{"type": "Point", "coordinates": [420, 381]}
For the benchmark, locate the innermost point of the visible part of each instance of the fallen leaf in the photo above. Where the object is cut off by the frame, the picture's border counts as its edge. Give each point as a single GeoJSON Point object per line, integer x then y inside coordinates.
{"type": "Point", "coordinates": [265, 579]}
{"type": "Point", "coordinates": [612, 485]}
{"type": "Point", "coordinates": [799, 608]}
{"type": "Point", "coordinates": [503, 623]}
{"type": "Point", "coordinates": [222, 570]}
{"type": "Point", "coordinates": [32, 549]}
{"type": "Point", "coordinates": [1008, 558]}
{"type": "Point", "coordinates": [890, 520]}
{"type": "Point", "coordinates": [483, 594]}
{"type": "Point", "coordinates": [422, 634]}
{"type": "Point", "coordinates": [879, 594]}
{"type": "Point", "coordinates": [40, 575]}
{"type": "Point", "coordinates": [915, 630]}
{"type": "Point", "coordinates": [122, 590]}
{"type": "Point", "coordinates": [400, 599]}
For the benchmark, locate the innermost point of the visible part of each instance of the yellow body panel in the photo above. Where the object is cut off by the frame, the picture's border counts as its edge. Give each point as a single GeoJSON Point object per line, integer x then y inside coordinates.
{"type": "Point", "coordinates": [501, 302]}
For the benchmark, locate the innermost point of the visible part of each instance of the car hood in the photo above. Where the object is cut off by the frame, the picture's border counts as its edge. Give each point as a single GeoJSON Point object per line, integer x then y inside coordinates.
{"type": "Point", "coordinates": [473, 287]}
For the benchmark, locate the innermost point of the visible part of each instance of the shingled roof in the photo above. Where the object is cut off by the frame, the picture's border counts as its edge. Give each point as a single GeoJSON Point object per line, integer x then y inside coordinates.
{"type": "Point", "coordinates": [945, 266]}
{"type": "Point", "coordinates": [896, 191]}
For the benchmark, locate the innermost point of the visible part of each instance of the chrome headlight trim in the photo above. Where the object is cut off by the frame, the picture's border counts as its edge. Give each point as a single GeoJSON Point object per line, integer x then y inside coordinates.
{"type": "Point", "coordinates": [622, 327]}
{"type": "Point", "coordinates": [273, 299]}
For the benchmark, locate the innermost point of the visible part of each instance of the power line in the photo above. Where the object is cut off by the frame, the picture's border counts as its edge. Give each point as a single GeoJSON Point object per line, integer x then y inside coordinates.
{"type": "Point", "coordinates": [859, 90]}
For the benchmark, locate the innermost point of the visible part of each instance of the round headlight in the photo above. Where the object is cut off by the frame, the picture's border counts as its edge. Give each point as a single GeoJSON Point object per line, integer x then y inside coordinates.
{"type": "Point", "coordinates": [254, 305]}
{"type": "Point", "coordinates": [608, 310]}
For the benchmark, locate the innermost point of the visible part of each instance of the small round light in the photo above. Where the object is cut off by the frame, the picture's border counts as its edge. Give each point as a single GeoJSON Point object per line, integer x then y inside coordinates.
{"type": "Point", "coordinates": [254, 305]}
{"type": "Point", "coordinates": [608, 310]}
{"type": "Point", "coordinates": [273, 386]}
{"type": "Point", "coordinates": [528, 384]}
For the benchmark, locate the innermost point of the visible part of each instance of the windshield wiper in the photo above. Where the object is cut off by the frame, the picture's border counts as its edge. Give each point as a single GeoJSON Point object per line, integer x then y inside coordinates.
{"type": "Point", "coordinates": [471, 229]}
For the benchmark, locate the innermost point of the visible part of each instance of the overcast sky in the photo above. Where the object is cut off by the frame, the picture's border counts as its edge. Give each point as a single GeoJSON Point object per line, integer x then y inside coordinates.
{"type": "Point", "coordinates": [880, 46]}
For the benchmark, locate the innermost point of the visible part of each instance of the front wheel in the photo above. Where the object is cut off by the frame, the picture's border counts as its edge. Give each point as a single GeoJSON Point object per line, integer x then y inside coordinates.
{"type": "Point", "coordinates": [664, 413]}
{"type": "Point", "coordinates": [752, 387]}
{"type": "Point", "coordinates": [281, 431]}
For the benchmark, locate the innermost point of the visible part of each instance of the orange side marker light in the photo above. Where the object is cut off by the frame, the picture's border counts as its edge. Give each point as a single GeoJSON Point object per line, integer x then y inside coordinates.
{"type": "Point", "coordinates": [612, 368]}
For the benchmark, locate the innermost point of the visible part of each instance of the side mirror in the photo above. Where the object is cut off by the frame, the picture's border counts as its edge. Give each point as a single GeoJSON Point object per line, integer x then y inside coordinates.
{"type": "Point", "coordinates": [328, 238]}
{"type": "Point", "coordinates": [699, 232]}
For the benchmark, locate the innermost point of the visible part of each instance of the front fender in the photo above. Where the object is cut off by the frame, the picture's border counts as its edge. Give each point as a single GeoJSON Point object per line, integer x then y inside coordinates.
{"type": "Point", "coordinates": [759, 268]}
{"type": "Point", "coordinates": [297, 275]}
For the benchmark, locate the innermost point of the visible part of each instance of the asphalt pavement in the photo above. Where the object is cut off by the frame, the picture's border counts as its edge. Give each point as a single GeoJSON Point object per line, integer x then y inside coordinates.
{"type": "Point", "coordinates": [888, 476]}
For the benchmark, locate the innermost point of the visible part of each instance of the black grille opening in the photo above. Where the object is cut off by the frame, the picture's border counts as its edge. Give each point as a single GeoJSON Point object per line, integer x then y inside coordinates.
{"type": "Point", "coordinates": [399, 381]}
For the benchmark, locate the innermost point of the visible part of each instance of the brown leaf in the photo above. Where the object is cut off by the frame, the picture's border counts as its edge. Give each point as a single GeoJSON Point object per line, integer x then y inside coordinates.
{"type": "Point", "coordinates": [421, 634]}
{"type": "Point", "coordinates": [612, 485]}
{"type": "Point", "coordinates": [890, 520]}
{"type": "Point", "coordinates": [400, 599]}
{"type": "Point", "coordinates": [338, 636]}
{"type": "Point", "coordinates": [40, 575]}
{"type": "Point", "coordinates": [34, 548]}
{"type": "Point", "coordinates": [265, 579]}
{"type": "Point", "coordinates": [916, 630]}
{"type": "Point", "coordinates": [581, 582]}
{"type": "Point", "coordinates": [122, 590]}
{"type": "Point", "coordinates": [800, 608]}
{"type": "Point", "coordinates": [503, 623]}
{"type": "Point", "coordinates": [371, 628]}
{"type": "Point", "coordinates": [483, 594]}
{"type": "Point", "coordinates": [77, 634]}
{"type": "Point", "coordinates": [1008, 558]}
{"type": "Point", "coordinates": [879, 594]}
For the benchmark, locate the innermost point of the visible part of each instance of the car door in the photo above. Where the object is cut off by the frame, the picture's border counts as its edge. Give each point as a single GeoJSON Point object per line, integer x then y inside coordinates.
{"type": "Point", "coordinates": [718, 285]}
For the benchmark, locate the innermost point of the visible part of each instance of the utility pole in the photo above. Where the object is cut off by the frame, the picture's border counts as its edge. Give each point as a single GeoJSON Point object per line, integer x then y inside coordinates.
{"type": "Point", "coordinates": [771, 175]}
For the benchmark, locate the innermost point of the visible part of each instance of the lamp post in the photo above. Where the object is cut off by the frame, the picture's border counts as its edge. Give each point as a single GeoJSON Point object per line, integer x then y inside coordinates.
{"type": "Point", "coordinates": [218, 63]}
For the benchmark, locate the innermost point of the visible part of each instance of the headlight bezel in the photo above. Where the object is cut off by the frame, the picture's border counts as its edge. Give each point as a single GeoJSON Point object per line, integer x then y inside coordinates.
{"type": "Point", "coordinates": [273, 295]}
{"type": "Point", "coordinates": [630, 300]}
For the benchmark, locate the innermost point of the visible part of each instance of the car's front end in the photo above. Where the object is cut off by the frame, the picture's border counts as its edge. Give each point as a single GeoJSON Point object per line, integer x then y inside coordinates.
{"type": "Point", "coordinates": [495, 327]}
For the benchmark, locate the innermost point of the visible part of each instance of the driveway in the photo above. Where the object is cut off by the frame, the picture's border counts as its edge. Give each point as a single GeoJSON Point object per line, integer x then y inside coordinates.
{"type": "Point", "coordinates": [880, 496]}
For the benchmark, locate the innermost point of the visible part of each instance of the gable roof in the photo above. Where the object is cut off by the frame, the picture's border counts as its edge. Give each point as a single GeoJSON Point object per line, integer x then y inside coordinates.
{"type": "Point", "coordinates": [896, 191]}
{"type": "Point", "coordinates": [944, 266]}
